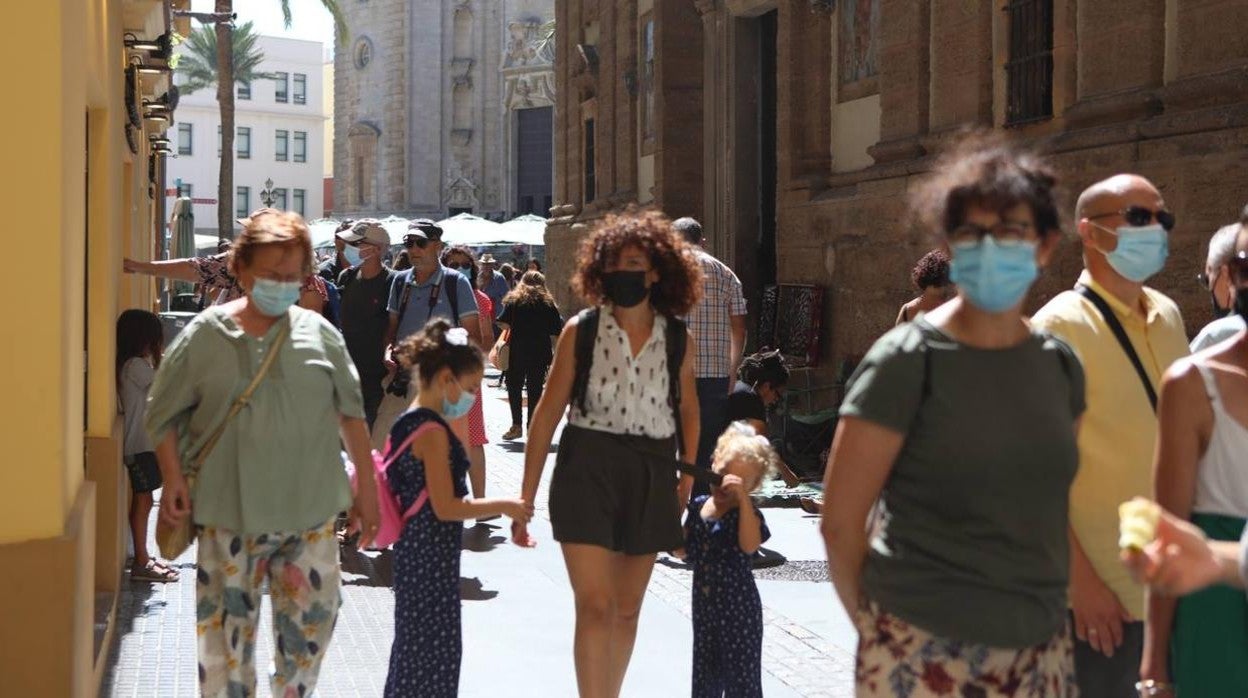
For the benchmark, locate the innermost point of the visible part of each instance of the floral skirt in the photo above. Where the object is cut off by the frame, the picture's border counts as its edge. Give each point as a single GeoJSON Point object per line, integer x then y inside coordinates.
{"type": "Point", "coordinates": [898, 660]}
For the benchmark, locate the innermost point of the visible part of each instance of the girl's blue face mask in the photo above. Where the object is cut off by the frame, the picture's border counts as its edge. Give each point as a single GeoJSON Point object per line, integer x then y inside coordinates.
{"type": "Point", "coordinates": [460, 407]}
{"type": "Point", "coordinates": [994, 276]}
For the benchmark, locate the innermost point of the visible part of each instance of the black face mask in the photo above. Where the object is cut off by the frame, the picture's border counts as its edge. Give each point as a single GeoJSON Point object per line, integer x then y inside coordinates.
{"type": "Point", "coordinates": [1218, 310]}
{"type": "Point", "coordinates": [1241, 302]}
{"type": "Point", "coordinates": [625, 289]}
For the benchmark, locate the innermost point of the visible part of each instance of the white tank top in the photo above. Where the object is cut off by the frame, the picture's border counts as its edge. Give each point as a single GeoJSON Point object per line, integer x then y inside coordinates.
{"type": "Point", "coordinates": [1222, 474]}
{"type": "Point", "coordinates": [627, 395]}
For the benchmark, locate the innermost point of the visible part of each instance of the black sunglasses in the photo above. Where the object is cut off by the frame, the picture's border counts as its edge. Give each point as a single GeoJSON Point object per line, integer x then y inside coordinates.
{"type": "Point", "coordinates": [1137, 216]}
{"type": "Point", "coordinates": [416, 241]}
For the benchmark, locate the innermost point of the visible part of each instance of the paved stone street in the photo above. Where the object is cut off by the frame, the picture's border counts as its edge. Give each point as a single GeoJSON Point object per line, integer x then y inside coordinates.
{"type": "Point", "coordinates": [517, 615]}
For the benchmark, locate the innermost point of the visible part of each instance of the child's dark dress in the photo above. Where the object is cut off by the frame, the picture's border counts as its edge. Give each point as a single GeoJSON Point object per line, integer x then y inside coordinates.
{"type": "Point", "coordinates": [425, 656]}
{"type": "Point", "coordinates": [727, 613]}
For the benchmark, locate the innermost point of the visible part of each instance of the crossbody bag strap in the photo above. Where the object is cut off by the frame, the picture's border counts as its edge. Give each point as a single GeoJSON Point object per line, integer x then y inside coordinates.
{"type": "Point", "coordinates": [1121, 335]}
{"type": "Point", "coordinates": [239, 403]}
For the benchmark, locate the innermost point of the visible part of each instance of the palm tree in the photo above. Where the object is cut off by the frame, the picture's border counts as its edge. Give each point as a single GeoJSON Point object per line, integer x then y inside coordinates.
{"type": "Point", "coordinates": [225, 98]}
{"type": "Point", "coordinates": [198, 65]}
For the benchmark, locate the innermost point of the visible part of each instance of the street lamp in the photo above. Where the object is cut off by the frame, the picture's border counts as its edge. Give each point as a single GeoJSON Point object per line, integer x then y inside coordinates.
{"type": "Point", "coordinates": [266, 194]}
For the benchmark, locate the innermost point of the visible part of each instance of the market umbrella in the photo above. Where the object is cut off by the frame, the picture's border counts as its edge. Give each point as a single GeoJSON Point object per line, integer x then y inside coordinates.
{"type": "Point", "coordinates": [526, 230]}
{"type": "Point", "coordinates": [182, 234]}
{"type": "Point", "coordinates": [467, 229]}
{"type": "Point", "coordinates": [322, 231]}
{"type": "Point", "coordinates": [396, 227]}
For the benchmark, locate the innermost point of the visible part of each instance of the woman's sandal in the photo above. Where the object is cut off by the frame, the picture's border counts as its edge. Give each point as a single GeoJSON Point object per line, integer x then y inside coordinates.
{"type": "Point", "coordinates": [811, 505]}
{"type": "Point", "coordinates": [153, 571]}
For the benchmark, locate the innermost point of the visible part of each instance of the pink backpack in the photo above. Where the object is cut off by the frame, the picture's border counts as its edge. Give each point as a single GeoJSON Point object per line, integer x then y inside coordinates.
{"type": "Point", "coordinates": [390, 517]}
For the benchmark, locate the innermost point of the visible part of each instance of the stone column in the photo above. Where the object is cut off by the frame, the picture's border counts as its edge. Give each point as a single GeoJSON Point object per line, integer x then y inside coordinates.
{"type": "Point", "coordinates": [714, 126]}
{"type": "Point", "coordinates": [960, 82]}
{"type": "Point", "coordinates": [678, 78]}
{"type": "Point", "coordinates": [804, 93]}
{"type": "Point", "coordinates": [1121, 59]}
{"type": "Point", "coordinates": [904, 79]}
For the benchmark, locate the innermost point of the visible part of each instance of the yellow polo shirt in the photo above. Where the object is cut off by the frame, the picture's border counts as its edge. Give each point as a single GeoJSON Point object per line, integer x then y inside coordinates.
{"type": "Point", "coordinates": [1119, 429]}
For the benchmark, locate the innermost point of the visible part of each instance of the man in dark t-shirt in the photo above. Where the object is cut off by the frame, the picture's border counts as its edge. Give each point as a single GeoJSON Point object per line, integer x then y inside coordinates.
{"type": "Point", "coordinates": [365, 292]}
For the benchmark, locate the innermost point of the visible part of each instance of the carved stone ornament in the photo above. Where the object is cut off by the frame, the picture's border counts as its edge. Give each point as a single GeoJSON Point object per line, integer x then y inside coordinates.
{"type": "Point", "coordinates": [528, 91]}
{"type": "Point", "coordinates": [526, 45]}
{"type": "Point", "coordinates": [461, 191]}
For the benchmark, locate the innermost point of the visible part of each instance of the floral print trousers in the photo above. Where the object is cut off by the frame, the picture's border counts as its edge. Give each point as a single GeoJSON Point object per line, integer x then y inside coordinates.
{"type": "Point", "coordinates": [898, 660]}
{"type": "Point", "coordinates": [302, 571]}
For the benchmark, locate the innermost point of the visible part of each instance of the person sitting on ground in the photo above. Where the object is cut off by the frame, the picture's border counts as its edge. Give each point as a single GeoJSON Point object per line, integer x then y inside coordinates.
{"type": "Point", "coordinates": [762, 380]}
{"type": "Point", "coordinates": [931, 277]}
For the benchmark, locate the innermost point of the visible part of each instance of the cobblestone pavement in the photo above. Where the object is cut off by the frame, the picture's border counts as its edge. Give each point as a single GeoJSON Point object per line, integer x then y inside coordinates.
{"type": "Point", "coordinates": [526, 633]}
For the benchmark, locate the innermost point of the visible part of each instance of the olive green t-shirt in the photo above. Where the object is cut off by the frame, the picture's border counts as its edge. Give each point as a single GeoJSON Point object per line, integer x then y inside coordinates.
{"type": "Point", "coordinates": [971, 542]}
{"type": "Point", "coordinates": [278, 465]}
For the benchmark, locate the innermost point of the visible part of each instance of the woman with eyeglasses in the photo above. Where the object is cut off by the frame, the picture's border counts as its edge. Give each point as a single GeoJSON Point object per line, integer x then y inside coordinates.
{"type": "Point", "coordinates": [462, 260]}
{"type": "Point", "coordinates": [962, 424]}
{"type": "Point", "coordinates": [1198, 645]}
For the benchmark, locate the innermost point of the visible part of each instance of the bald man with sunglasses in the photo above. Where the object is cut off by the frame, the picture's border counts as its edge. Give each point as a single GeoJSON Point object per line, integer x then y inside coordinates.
{"type": "Point", "coordinates": [1126, 335]}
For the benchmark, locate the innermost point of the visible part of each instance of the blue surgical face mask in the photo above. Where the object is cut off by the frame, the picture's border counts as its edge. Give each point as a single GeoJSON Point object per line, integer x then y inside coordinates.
{"type": "Point", "coordinates": [352, 255]}
{"type": "Point", "coordinates": [994, 276]}
{"type": "Point", "coordinates": [461, 407]}
{"type": "Point", "coordinates": [274, 298]}
{"type": "Point", "coordinates": [1141, 251]}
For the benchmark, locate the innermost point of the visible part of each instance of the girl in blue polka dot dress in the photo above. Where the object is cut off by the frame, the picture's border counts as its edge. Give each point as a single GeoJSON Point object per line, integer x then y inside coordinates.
{"type": "Point", "coordinates": [425, 656]}
{"type": "Point", "coordinates": [722, 531]}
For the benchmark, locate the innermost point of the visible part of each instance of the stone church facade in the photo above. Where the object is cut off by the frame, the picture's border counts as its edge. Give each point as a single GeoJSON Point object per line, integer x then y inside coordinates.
{"type": "Point", "coordinates": [796, 129]}
{"type": "Point", "coordinates": [443, 107]}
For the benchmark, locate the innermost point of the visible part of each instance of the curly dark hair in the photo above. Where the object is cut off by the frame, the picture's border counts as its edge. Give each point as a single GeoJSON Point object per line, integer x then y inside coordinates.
{"type": "Point", "coordinates": [680, 275]}
{"type": "Point", "coordinates": [766, 366]}
{"type": "Point", "coordinates": [932, 270]}
{"type": "Point", "coordinates": [429, 351]}
{"type": "Point", "coordinates": [984, 169]}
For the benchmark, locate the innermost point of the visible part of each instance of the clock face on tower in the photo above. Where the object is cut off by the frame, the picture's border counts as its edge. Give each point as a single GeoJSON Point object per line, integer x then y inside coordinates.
{"type": "Point", "coordinates": [363, 53]}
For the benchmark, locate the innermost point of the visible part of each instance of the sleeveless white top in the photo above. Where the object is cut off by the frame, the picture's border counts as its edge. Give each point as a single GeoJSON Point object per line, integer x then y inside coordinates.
{"type": "Point", "coordinates": [627, 395]}
{"type": "Point", "coordinates": [1222, 473]}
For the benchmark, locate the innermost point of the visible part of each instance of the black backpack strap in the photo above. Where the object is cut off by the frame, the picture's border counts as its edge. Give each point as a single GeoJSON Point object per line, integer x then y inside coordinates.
{"type": "Point", "coordinates": [586, 334]}
{"type": "Point", "coordinates": [677, 340]}
{"type": "Point", "coordinates": [1123, 340]}
{"type": "Point", "coordinates": [452, 294]}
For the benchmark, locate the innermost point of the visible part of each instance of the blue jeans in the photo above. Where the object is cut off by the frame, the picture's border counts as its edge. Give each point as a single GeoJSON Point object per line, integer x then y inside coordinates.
{"type": "Point", "coordinates": [713, 408]}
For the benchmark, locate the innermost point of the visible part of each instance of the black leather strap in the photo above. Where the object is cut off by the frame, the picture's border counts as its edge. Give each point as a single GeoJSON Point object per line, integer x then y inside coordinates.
{"type": "Point", "coordinates": [1121, 334]}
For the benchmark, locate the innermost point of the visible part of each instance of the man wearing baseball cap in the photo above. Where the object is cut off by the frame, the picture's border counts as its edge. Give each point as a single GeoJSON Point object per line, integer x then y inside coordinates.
{"type": "Point", "coordinates": [365, 320]}
{"type": "Point", "coordinates": [427, 291]}
{"type": "Point", "coordinates": [496, 285]}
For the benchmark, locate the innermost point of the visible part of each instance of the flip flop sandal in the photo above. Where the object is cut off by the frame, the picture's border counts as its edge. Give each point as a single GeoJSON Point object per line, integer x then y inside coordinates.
{"type": "Point", "coordinates": [152, 573]}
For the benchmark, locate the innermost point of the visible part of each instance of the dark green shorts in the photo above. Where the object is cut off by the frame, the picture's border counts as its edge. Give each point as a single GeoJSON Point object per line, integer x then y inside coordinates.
{"type": "Point", "coordinates": [616, 492]}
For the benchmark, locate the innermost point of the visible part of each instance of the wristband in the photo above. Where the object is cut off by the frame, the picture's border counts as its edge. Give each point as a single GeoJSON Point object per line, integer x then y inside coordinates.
{"type": "Point", "coordinates": [1151, 687]}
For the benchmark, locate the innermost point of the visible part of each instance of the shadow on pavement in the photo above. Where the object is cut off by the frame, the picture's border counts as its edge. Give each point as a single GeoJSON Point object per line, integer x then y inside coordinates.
{"type": "Point", "coordinates": [473, 590]}
{"type": "Point", "coordinates": [518, 446]}
{"type": "Point", "coordinates": [479, 538]}
{"type": "Point", "coordinates": [368, 568]}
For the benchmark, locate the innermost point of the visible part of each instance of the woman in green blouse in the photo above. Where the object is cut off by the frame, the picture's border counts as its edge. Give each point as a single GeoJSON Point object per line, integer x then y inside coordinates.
{"type": "Point", "coordinates": [266, 496]}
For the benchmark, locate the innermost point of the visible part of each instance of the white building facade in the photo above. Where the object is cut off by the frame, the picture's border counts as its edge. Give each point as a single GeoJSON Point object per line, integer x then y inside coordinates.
{"type": "Point", "coordinates": [280, 136]}
{"type": "Point", "coordinates": [444, 107]}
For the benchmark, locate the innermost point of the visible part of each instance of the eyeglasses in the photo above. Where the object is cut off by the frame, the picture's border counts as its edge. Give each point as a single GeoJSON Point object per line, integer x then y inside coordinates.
{"type": "Point", "coordinates": [416, 241]}
{"type": "Point", "coordinates": [1137, 216]}
{"type": "Point", "coordinates": [1006, 231]}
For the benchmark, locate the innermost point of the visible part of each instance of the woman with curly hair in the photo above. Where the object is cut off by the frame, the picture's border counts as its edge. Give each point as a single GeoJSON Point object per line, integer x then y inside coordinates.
{"type": "Point", "coordinates": [615, 498]}
{"type": "Point", "coordinates": [931, 277]}
{"type": "Point", "coordinates": [532, 318]}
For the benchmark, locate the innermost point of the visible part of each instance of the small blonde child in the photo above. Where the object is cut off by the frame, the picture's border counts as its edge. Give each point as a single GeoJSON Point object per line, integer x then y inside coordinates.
{"type": "Point", "coordinates": [722, 531]}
